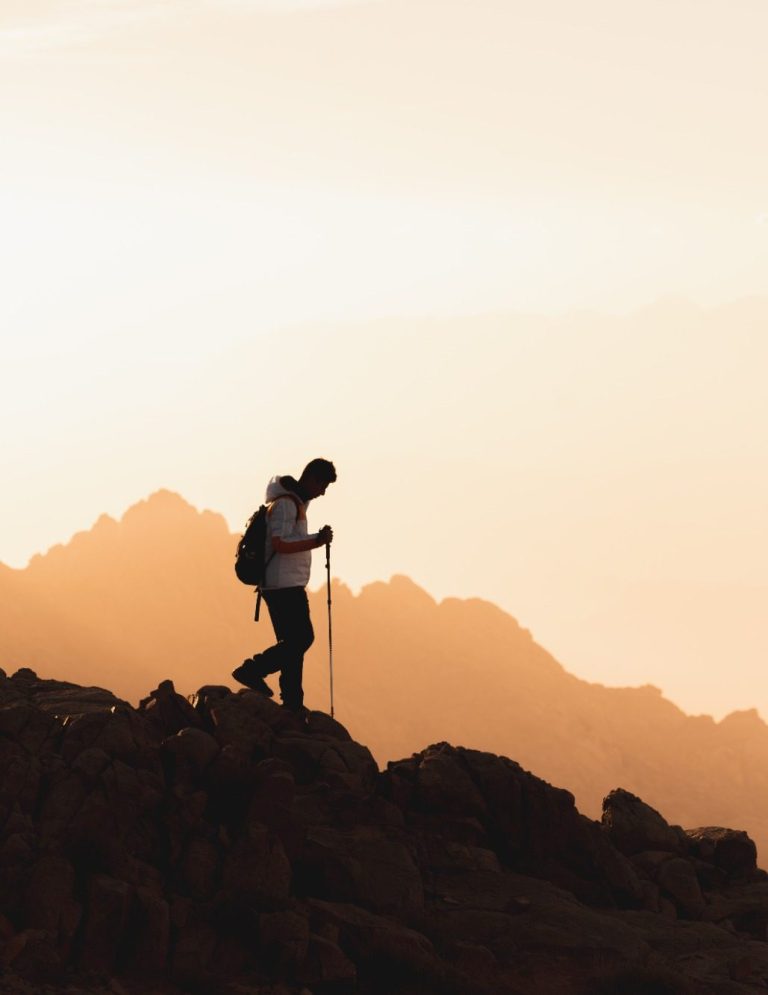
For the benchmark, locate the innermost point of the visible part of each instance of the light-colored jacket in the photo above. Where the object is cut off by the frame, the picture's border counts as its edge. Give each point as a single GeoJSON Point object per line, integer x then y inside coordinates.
{"type": "Point", "coordinates": [287, 521]}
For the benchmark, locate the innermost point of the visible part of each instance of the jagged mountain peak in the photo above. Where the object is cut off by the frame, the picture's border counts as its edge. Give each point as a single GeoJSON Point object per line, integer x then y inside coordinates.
{"type": "Point", "coordinates": [399, 587]}
{"type": "Point", "coordinates": [163, 520]}
{"type": "Point", "coordinates": [156, 588]}
{"type": "Point", "coordinates": [160, 502]}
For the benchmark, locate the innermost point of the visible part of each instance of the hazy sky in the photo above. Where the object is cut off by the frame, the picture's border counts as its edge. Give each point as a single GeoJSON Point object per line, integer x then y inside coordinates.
{"type": "Point", "coordinates": [215, 214]}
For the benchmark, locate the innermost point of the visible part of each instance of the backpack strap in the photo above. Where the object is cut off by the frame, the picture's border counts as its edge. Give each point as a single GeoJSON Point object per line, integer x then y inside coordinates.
{"type": "Point", "coordinates": [270, 506]}
{"type": "Point", "coordinates": [296, 501]}
{"type": "Point", "coordinates": [292, 497]}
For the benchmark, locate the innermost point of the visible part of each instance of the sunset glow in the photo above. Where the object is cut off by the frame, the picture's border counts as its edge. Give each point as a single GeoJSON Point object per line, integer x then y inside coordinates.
{"type": "Point", "coordinates": [505, 264]}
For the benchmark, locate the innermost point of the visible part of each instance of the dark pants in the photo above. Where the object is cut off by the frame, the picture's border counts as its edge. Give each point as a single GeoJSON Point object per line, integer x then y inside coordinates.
{"type": "Point", "coordinates": [289, 612]}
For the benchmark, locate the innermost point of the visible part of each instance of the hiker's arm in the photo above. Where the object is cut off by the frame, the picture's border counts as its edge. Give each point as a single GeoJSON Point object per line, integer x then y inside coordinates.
{"type": "Point", "coordinates": [296, 545]}
{"type": "Point", "coordinates": [283, 519]}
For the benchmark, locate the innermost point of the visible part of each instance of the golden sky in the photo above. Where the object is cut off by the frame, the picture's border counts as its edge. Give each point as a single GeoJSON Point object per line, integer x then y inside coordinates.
{"type": "Point", "coordinates": [504, 262]}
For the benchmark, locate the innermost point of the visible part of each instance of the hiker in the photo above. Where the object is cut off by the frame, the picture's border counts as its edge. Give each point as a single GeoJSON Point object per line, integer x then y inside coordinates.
{"type": "Point", "coordinates": [289, 559]}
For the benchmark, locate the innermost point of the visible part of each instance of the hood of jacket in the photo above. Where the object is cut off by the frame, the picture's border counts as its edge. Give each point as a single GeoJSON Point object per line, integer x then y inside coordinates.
{"type": "Point", "coordinates": [283, 485]}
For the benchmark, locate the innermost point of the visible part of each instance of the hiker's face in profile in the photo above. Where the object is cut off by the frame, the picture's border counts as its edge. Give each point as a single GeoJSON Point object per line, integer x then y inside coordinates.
{"type": "Point", "coordinates": [316, 488]}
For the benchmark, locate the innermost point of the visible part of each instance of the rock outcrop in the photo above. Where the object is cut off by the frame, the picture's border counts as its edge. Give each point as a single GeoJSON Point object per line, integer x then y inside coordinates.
{"type": "Point", "coordinates": [161, 577]}
{"type": "Point", "coordinates": [219, 844]}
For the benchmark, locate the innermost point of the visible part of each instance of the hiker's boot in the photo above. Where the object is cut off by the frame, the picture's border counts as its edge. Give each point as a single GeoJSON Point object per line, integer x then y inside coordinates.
{"type": "Point", "coordinates": [299, 712]}
{"type": "Point", "coordinates": [245, 675]}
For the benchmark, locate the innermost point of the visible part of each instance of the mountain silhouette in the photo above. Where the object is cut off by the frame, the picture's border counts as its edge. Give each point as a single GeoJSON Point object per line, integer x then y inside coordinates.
{"type": "Point", "coordinates": [155, 594]}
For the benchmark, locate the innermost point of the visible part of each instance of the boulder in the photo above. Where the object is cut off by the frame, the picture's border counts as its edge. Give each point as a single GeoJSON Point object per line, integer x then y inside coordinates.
{"type": "Point", "coordinates": [167, 711]}
{"type": "Point", "coordinates": [223, 845]}
{"type": "Point", "coordinates": [377, 944]}
{"type": "Point", "coordinates": [326, 966]}
{"type": "Point", "coordinates": [27, 725]}
{"type": "Point", "coordinates": [205, 697]}
{"type": "Point", "coordinates": [256, 872]}
{"type": "Point", "coordinates": [729, 849]}
{"type": "Point", "coordinates": [745, 906]}
{"type": "Point", "coordinates": [634, 826]}
{"type": "Point", "coordinates": [33, 954]}
{"type": "Point", "coordinates": [108, 906]}
{"type": "Point", "coordinates": [677, 880]}
{"type": "Point", "coordinates": [445, 786]}
{"type": "Point", "coordinates": [152, 929]}
{"type": "Point", "coordinates": [200, 867]}
{"type": "Point", "coordinates": [239, 722]}
{"type": "Point", "coordinates": [650, 862]}
{"type": "Point", "coordinates": [273, 795]}
{"type": "Point", "coordinates": [190, 751]}
{"type": "Point", "coordinates": [283, 940]}
{"type": "Point", "coordinates": [366, 866]}
{"type": "Point", "coordinates": [318, 723]}
{"type": "Point", "coordinates": [193, 956]}
{"type": "Point", "coordinates": [49, 898]}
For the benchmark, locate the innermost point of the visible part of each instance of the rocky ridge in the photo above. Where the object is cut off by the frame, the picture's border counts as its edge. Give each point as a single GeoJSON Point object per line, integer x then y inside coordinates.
{"type": "Point", "coordinates": [219, 845]}
{"type": "Point", "coordinates": [162, 578]}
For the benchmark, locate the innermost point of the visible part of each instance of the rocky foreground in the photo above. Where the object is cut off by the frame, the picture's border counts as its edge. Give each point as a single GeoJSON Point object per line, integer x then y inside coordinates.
{"type": "Point", "coordinates": [218, 845]}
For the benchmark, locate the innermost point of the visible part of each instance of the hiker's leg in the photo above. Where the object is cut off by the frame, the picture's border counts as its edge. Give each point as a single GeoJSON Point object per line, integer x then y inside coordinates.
{"type": "Point", "coordinates": [273, 658]}
{"type": "Point", "coordinates": [298, 638]}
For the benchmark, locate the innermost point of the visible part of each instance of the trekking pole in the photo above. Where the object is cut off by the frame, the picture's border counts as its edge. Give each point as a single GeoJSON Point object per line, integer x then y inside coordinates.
{"type": "Point", "coordinates": [330, 630]}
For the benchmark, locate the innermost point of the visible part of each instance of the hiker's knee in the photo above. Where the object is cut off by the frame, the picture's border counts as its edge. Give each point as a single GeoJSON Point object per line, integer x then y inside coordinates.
{"type": "Point", "coordinates": [308, 637]}
{"type": "Point", "coordinates": [301, 639]}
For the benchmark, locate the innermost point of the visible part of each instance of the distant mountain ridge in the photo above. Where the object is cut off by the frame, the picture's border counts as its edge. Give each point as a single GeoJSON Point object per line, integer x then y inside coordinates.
{"type": "Point", "coordinates": [154, 594]}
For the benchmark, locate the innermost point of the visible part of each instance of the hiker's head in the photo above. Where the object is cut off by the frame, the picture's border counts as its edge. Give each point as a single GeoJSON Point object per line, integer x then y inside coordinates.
{"type": "Point", "coordinates": [316, 476]}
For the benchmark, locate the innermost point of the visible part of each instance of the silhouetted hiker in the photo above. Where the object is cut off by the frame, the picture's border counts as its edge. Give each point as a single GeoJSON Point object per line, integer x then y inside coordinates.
{"type": "Point", "coordinates": [289, 555]}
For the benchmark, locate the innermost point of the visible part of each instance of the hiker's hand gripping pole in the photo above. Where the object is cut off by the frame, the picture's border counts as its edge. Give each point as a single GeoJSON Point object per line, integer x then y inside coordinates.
{"type": "Point", "coordinates": [330, 629]}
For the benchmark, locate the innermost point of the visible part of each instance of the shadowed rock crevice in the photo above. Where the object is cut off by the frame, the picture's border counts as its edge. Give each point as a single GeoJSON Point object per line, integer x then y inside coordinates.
{"type": "Point", "coordinates": [218, 844]}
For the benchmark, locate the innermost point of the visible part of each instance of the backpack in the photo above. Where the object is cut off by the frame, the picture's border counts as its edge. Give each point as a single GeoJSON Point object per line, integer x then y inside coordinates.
{"type": "Point", "coordinates": [250, 560]}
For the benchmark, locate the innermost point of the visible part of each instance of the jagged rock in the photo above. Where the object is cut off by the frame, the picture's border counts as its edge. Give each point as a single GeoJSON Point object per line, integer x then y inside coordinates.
{"type": "Point", "coordinates": [445, 785]}
{"type": "Point", "coordinates": [193, 954]}
{"type": "Point", "coordinates": [366, 867]}
{"type": "Point", "coordinates": [90, 764]}
{"type": "Point", "coordinates": [327, 965]}
{"type": "Point", "coordinates": [69, 699]}
{"type": "Point", "coordinates": [318, 723]}
{"type": "Point", "coordinates": [634, 826]}
{"type": "Point", "coordinates": [613, 867]}
{"type": "Point", "coordinates": [168, 711]}
{"type": "Point", "coordinates": [27, 725]}
{"type": "Point", "coordinates": [107, 910]}
{"type": "Point", "coordinates": [200, 867]}
{"type": "Point", "coordinates": [20, 783]}
{"type": "Point", "coordinates": [33, 954]}
{"type": "Point", "coordinates": [239, 722]}
{"type": "Point", "coordinates": [729, 849]}
{"type": "Point", "coordinates": [347, 765]}
{"type": "Point", "coordinates": [256, 872]}
{"type": "Point", "coordinates": [650, 862]}
{"type": "Point", "coordinates": [711, 878]}
{"type": "Point", "coordinates": [284, 940]}
{"type": "Point", "coordinates": [677, 878]}
{"type": "Point", "coordinates": [192, 751]}
{"type": "Point", "coordinates": [125, 735]}
{"type": "Point", "coordinates": [16, 851]}
{"type": "Point", "coordinates": [376, 943]}
{"type": "Point", "coordinates": [49, 898]}
{"type": "Point", "coordinates": [60, 698]}
{"type": "Point", "coordinates": [228, 846]}
{"type": "Point", "coordinates": [533, 826]}
{"type": "Point", "coordinates": [152, 933]}
{"type": "Point", "coordinates": [207, 696]}
{"type": "Point", "coordinates": [744, 906]}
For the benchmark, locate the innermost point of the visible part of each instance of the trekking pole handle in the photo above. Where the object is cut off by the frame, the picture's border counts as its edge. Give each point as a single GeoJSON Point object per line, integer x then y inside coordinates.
{"type": "Point", "coordinates": [328, 568]}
